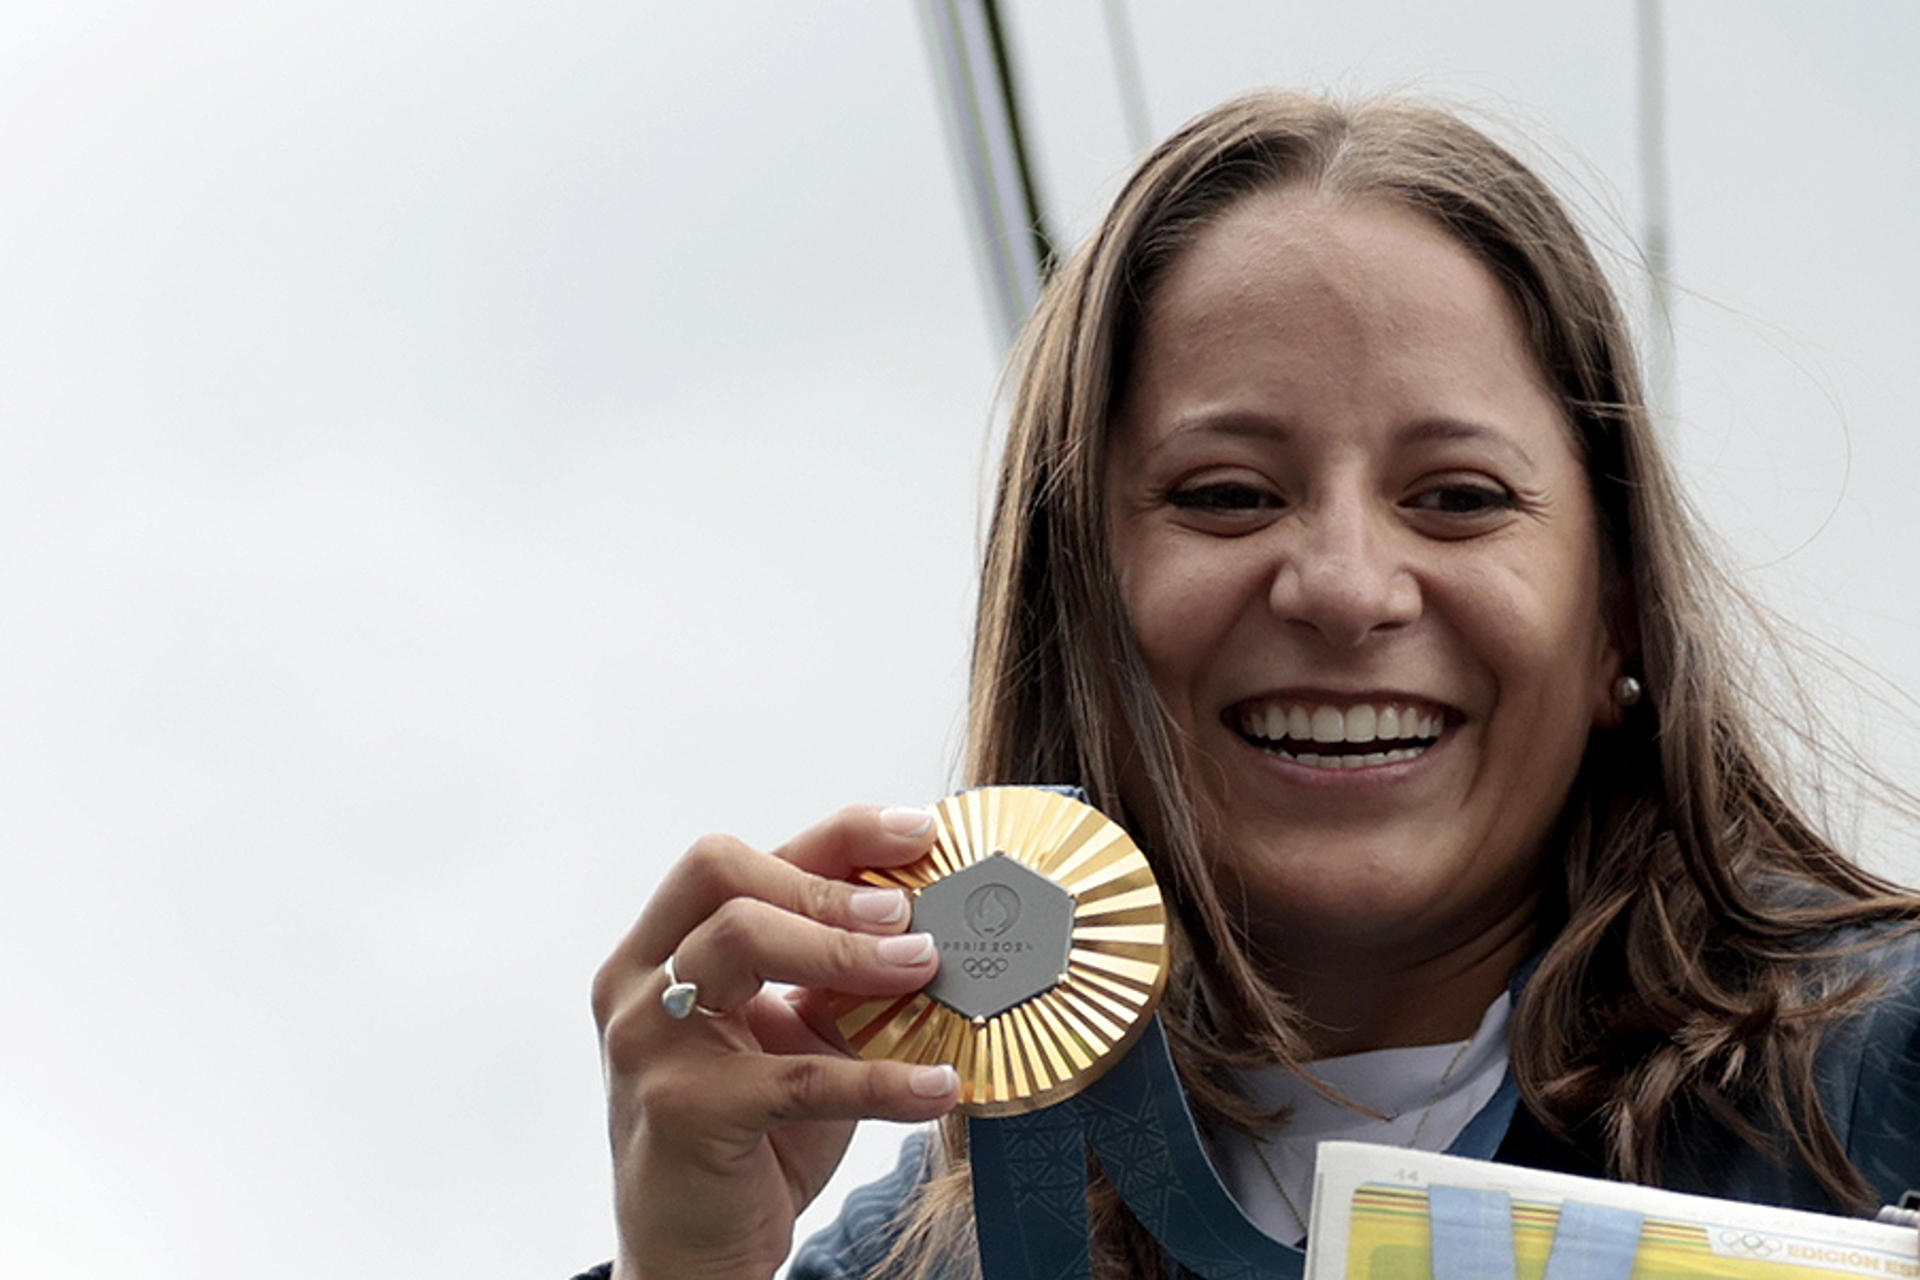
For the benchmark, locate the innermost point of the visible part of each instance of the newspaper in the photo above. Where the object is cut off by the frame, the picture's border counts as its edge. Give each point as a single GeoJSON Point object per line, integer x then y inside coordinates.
{"type": "Point", "coordinates": [1385, 1213]}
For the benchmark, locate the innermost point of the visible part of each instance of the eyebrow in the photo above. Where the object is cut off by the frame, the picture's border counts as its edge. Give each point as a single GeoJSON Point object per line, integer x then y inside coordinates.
{"type": "Point", "coordinates": [1238, 424]}
{"type": "Point", "coordinates": [1442, 429]}
{"type": "Point", "coordinates": [1449, 429]}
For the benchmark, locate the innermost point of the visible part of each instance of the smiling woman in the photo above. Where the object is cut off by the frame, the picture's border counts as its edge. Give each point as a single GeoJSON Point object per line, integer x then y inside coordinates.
{"type": "Point", "coordinates": [1335, 555]}
{"type": "Point", "coordinates": [1342, 494]}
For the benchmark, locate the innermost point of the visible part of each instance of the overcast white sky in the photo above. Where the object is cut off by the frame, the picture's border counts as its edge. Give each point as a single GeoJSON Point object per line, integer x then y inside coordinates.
{"type": "Point", "coordinates": [454, 454]}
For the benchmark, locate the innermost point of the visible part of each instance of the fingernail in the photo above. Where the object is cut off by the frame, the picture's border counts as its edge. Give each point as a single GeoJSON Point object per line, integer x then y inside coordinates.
{"type": "Point", "coordinates": [906, 820]}
{"type": "Point", "coordinates": [908, 948]}
{"type": "Point", "coordinates": [933, 1082]}
{"type": "Point", "coordinates": [878, 906]}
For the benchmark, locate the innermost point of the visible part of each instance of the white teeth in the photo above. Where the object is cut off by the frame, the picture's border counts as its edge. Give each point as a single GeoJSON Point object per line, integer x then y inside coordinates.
{"type": "Point", "coordinates": [1283, 726]}
{"type": "Point", "coordinates": [1277, 722]}
{"type": "Point", "coordinates": [1368, 760]}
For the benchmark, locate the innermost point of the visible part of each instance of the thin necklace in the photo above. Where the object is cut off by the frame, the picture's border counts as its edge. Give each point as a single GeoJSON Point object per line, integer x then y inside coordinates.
{"type": "Point", "coordinates": [1433, 1099]}
{"type": "Point", "coordinates": [1426, 1113]}
{"type": "Point", "coordinates": [1299, 1218]}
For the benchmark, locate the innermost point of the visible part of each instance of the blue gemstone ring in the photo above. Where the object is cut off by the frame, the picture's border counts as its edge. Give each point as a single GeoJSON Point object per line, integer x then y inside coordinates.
{"type": "Point", "coordinates": [682, 998]}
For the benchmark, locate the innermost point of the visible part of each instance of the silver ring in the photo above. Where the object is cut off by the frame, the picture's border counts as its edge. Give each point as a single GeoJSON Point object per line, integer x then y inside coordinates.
{"type": "Point", "coordinates": [682, 998]}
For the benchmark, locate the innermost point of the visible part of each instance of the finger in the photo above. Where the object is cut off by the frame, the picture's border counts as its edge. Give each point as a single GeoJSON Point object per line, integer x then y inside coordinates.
{"type": "Point", "coordinates": [750, 1095]}
{"type": "Point", "coordinates": [797, 1089]}
{"type": "Point", "coordinates": [817, 1012]}
{"type": "Point", "coordinates": [861, 836]}
{"type": "Point", "coordinates": [747, 943]}
{"type": "Point", "coordinates": [637, 1031]}
{"type": "Point", "coordinates": [718, 868]}
{"type": "Point", "coordinates": [780, 1024]}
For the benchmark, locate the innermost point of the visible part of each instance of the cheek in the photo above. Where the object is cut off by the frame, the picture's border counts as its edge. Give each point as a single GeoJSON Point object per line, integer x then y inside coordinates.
{"type": "Point", "coordinates": [1155, 606]}
{"type": "Point", "coordinates": [1538, 628]}
{"type": "Point", "coordinates": [1180, 607]}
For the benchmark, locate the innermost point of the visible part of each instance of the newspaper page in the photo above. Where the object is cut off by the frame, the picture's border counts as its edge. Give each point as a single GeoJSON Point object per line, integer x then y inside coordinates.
{"type": "Point", "coordinates": [1385, 1213]}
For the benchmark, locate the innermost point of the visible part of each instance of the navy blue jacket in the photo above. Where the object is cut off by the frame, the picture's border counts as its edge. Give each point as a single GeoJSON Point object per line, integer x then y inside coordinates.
{"type": "Point", "coordinates": [1868, 1071]}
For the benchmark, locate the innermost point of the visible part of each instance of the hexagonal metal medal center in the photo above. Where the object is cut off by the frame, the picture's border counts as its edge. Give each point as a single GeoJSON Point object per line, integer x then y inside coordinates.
{"type": "Point", "coordinates": [1003, 931]}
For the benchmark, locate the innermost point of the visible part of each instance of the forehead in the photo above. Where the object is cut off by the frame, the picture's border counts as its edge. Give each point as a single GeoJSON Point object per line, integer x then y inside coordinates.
{"type": "Point", "coordinates": [1295, 294]}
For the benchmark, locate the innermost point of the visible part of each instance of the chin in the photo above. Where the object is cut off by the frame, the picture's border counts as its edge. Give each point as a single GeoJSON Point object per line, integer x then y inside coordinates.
{"type": "Point", "coordinates": [1311, 910]}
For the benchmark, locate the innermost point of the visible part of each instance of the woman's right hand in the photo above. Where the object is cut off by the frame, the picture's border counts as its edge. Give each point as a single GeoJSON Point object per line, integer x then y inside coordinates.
{"type": "Point", "coordinates": [724, 1128]}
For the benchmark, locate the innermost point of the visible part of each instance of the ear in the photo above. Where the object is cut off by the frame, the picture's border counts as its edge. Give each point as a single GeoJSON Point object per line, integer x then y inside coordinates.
{"type": "Point", "coordinates": [1608, 711]}
{"type": "Point", "coordinates": [1618, 627]}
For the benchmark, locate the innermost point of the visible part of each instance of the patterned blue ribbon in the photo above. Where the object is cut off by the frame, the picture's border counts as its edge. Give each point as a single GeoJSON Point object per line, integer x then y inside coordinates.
{"type": "Point", "coordinates": [1030, 1178]}
{"type": "Point", "coordinates": [1030, 1175]}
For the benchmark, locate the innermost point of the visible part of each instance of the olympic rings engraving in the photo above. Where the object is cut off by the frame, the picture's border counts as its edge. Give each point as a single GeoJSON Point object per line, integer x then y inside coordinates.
{"type": "Point", "coordinates": [984, 967]}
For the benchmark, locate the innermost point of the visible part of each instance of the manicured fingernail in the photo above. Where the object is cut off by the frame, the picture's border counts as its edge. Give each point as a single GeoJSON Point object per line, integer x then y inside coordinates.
{"type": "Point", "coordinates": [906, 820]}
{"type": "Point", "coordinates": [933, 1082]}
{"type": "Point", "coordinates": [878, 906]}
{"type": "Point", "coordinates": [908, 948]}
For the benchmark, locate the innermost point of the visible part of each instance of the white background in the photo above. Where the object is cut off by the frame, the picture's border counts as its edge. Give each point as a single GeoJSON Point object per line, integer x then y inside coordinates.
{"type": "Point", "coordinates": [454, 454]}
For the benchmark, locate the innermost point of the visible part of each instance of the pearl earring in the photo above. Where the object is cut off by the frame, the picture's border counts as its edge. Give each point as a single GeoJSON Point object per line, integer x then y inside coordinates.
{"type": "Point", "coordinates": [1627, 691]}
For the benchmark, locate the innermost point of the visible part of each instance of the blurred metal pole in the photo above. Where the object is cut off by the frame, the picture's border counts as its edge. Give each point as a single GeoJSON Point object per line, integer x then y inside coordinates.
{"type": "Point", "coordinates": [1126, 74]}
{"type": "Point", "coordinates": [1654, 212]}
{"type": "Point", "coordinates": [974, 73]}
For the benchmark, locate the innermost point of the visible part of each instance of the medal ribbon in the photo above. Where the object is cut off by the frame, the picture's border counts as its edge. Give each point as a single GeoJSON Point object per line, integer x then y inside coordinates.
{"type": "Point", "coordinates": [1030, 1174]}
{"type": "Point", "coordinates": [1030, 1177]}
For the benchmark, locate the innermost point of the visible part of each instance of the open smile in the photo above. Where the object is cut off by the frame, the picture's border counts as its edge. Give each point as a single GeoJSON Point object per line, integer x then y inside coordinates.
{"type": "Point", "coordinates": [1324, 736]}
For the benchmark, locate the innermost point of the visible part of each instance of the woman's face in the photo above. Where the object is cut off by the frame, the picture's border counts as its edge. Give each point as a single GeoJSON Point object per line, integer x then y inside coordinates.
{"type": "Point", "coordinates": [1359, 553]}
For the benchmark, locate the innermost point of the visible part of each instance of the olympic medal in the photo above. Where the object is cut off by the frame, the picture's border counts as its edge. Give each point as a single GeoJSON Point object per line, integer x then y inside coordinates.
{"type": "Point", "coordinates": [1053, 950]}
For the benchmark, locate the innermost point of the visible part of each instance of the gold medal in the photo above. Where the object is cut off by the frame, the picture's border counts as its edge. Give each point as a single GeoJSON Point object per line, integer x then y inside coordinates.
{"type": "Point", "coordinates": [1053, 950]}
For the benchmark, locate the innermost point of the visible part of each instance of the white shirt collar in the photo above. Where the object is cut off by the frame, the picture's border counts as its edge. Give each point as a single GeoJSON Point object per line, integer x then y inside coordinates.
{"type": "Point", "coordinates": [1427, 1094]}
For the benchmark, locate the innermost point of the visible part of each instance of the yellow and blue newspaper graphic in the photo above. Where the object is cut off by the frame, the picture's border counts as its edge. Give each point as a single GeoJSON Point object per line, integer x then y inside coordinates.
{"type": "Point", "coordinates": [1384, 1213]}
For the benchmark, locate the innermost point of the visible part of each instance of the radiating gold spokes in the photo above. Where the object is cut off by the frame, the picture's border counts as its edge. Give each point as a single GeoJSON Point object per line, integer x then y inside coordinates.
{"type": "Point", "coordinates": [1055, 1044]}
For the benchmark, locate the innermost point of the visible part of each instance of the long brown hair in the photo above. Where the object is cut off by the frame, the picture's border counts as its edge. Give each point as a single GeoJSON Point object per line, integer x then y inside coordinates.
{"type": "Point", "coordinates": [1692, 892]}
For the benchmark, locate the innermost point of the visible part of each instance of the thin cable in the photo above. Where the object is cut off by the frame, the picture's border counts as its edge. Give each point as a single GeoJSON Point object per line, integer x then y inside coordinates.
{"type": "Point", "coordinates": [1126, 74]}
{"type": "Point", "coordinates": [1010, 100]}
{"type": "Point", "coordinates": [1652, 65]}
{"type": "Point", "coordinates": [971, 70]}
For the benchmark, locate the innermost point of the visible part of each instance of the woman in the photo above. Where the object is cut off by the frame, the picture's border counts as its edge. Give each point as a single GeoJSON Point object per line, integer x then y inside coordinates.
{"type": "Point", "coordinates": [1334, 555]}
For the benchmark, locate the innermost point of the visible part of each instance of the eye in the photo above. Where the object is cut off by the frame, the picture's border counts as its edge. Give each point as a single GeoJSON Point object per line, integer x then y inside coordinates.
{"type": "Point", "coordinates": [1224, 498]}
{"type": "Point", "coordinates": [1465, 498]}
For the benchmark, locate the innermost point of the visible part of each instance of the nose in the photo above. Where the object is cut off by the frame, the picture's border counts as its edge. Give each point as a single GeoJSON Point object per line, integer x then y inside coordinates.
{"type": "Point", "coordinates": [1341, 573]}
